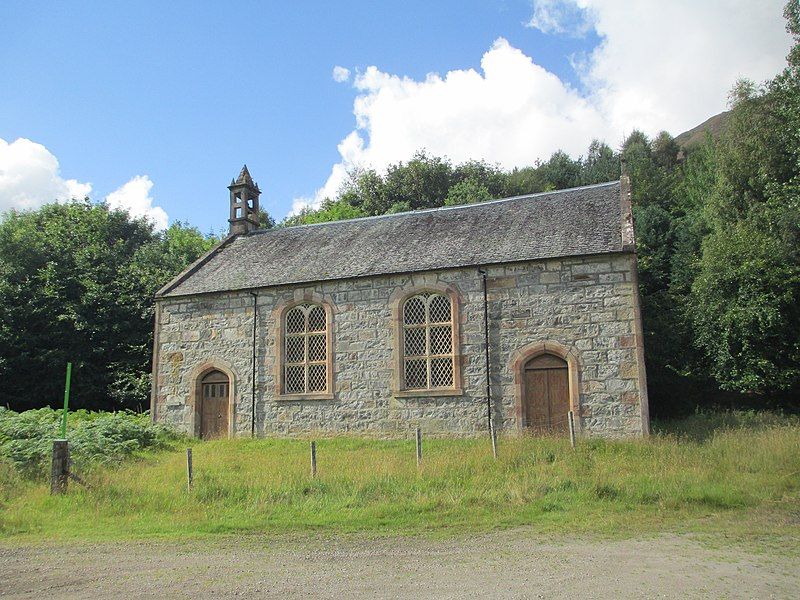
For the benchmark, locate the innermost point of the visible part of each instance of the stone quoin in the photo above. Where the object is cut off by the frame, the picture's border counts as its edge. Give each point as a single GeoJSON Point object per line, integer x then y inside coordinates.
{"type": "Point", "coordinates": [376, 325]}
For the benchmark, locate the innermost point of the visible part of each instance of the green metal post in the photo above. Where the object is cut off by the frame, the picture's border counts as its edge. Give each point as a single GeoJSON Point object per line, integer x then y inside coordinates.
{"type": "Point", "coordinates": [66, 402]}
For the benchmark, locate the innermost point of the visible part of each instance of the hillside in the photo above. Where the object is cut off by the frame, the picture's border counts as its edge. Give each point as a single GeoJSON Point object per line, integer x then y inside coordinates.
{"type": "Point", "coordinates": [715, 125]}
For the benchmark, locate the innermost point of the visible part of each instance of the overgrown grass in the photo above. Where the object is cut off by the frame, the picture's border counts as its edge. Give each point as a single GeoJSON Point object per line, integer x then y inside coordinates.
{"type": "Point", "coordinates": [684, 473]}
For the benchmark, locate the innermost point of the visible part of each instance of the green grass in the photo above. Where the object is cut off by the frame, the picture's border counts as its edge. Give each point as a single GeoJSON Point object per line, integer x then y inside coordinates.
{"type": "Point", "coordinates": [704, 472]}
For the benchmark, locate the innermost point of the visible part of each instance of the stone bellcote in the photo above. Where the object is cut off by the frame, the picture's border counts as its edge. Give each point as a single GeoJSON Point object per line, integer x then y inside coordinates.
{"type": "Point", "coordinates": [244, 204]}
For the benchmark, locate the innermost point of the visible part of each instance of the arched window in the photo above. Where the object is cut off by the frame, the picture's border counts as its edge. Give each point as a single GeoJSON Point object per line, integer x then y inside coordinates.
{"type": "Point", "coordinates": [428, 344]}
{"type": "Point", "coordinates": [306, 352]}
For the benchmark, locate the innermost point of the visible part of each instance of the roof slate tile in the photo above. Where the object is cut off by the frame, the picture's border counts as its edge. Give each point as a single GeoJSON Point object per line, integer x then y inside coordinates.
{"type": "Point", "coordinates": [577, 221]}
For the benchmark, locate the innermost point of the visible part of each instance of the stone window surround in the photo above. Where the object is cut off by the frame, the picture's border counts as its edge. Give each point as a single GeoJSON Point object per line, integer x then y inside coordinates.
{"type": "Point", "coordinates": [397, 301]}
{"type": "Point", "coordinates": [523, 355]}
{"type": "Point", "coordinates": [196, 393]}
{"type": "Point", "coordinates": [279, 315]}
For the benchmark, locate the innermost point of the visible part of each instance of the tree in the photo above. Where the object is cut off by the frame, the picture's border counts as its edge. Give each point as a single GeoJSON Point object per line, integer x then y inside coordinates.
{"type": "Point", "coordinates": [746, 296]}
{"type": "Point", "coordinates": [77, 283]}
{"type": "Point", "coordinates": [366, 191]}
{"type": "Point", "coordinates": [265, 220]}
{"type": "Point", "coordinates": [467, 191]}
{"type": "Point", "coordinates": [330, 210]}
{"type": "Point", "coordinates": [561, 171]}
{"type": "Point", "coordinates": [423, 182]}
{"type": "Point", "coordinates": [601, 164]}
{"type": "Point", "coordinates": [489, 177]}
{"type": "Point", "coordinates": [526, 180]}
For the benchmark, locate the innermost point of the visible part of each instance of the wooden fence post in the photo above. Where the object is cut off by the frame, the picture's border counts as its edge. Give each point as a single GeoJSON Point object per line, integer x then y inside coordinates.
{"type": "Point", "coordinates": [419, 446]}
{"type": "Point", "coordinates": [571, 429]}
{"type": "Point", "coordinates": [313, 458]}
{"type": "Point", "coordinates": [189, 472]}
{"type": "Point", "coordinates": [59, 472]}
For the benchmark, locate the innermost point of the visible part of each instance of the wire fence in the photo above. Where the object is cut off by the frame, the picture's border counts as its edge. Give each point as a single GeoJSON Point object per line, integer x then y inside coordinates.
{"type": "Point", "coordinates": [65, 468]}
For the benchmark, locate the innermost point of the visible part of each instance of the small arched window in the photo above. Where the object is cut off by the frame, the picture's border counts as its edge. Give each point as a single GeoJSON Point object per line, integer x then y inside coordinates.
{"type": "Point", "coordinates": [428, 345]}
{"type": "Point", "coordinates": [306, 351]}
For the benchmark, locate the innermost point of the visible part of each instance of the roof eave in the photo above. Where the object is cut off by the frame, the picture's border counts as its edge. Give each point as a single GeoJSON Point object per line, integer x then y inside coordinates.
{"type": "Point", "coordinates": [620, 250]}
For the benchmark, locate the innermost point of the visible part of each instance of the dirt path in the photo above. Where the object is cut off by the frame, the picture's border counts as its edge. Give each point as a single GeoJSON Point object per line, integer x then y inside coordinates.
{"type": "Point", "coordinates": [514, 564]}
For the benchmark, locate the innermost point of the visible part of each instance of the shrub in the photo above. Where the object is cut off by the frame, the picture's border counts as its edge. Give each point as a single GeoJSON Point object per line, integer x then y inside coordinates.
{"type": "Point", "coordinates": [95, 437]}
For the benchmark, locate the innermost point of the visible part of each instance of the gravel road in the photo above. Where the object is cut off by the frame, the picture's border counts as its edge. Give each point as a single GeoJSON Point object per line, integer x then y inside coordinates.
{"type": "Point", "coordinates": [510, 564]}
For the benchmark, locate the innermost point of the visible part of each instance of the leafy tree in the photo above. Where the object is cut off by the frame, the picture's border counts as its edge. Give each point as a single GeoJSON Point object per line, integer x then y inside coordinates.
{"type": "Point", "coordinates": [561, 171]}
{"type": "Point", "coordinates": [747, 292]}
{"type": "Point", "coordinates": [490, 177]}
{"type": "Point", "coordinates": [330, 210]}
{"type": "Point", "coordinates": [265, 220]}
{"type": "Point", "coordinates": [423, 182]}
{"type": "Point", "coordinates": [526, 180]}
{"type": "Point", "coordinates": [366, 191]}
{"type": "Point", "coordinates": [601, 164]}
{"type": "Point", "coordinates": [745, 309]}
{"type": "Point", "coordinates": [398, 207]}
{"type": "Point", "coordinates": [665, 151]}
{"type": "Point", "coordinates": [467, 191]}
{"type": "Point", "coordinates": [76, 284]}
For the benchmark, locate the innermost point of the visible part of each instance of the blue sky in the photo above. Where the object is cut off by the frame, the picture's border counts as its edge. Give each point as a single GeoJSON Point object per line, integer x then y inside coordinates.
{"type": "Point", "coordinates": [181, 94]}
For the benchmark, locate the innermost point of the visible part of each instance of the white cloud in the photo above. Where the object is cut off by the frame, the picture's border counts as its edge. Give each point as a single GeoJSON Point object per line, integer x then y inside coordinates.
{"type": "Point", "coordinates": [134, 197]}
{"type": "Point", "coordinates": [670, 65]}
{"type": "Point", "coordinates": [29, 177]}
{"type": "Point", "coordinates": [340, 74]}
{"type": "Point", "coordinates": [562, 17]}
{"type": "Point", "coordinates": [660, 65]}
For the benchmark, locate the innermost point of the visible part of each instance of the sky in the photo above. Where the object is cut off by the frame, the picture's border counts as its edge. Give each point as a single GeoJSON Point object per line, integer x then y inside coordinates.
{"type": "Point", "coordinates": [154, 106]}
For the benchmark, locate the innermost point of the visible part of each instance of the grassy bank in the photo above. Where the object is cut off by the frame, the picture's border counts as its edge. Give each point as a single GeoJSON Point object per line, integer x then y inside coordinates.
{"type": "Point", "coordinates": [693, 470]}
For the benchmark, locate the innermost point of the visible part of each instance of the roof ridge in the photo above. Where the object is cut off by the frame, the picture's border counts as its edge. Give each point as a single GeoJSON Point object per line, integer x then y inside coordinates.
{"type": "Point", "coordinates": [439, 208]}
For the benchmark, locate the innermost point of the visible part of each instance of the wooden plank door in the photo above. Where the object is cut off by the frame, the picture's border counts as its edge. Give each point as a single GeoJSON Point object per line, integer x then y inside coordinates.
{"type": "Point", "coordinates": [537, 405]}
{"type": "Point", "coordinates": [558, 399]}
{"type": "Point", "coordinates": [214, 415]}
{"type": "Point", "coordinates": [547, 394]}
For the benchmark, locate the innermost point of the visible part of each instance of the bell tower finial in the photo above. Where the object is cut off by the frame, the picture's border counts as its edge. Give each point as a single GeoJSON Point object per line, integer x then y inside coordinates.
{"type": "Point", "coordinates": [244, 204]}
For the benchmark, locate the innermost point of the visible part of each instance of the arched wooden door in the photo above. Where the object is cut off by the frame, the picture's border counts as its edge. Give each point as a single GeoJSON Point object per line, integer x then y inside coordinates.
{"type": "Point", "coordinates": [215, 403]}
{"type": "Point", "coordinates": [547, 394]}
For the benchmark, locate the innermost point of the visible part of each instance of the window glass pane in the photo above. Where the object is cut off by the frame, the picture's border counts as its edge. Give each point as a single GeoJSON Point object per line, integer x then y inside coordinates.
{"type": "Point", "coordinates": [441, 340]}
{"type": "Point", "coordinates": [295, 348]}
{"type": "Point", "coordinates": [295, 379]}
{"type": "Point", "coordinates": [316, 347]}
{"type": "Point", "coordinates": [416, 373]}
{"type": "Point", "coordinates": [415, 342]}
{"type": "Point", "coordinates": [414, 311]}
{"type": "Point", "coordinates": [439, 309]}
{"type": "Point", "coordinates": [441, 372]}
{"type": "Point", "coordinates": [316, 319]}
{"type": "Point", "coordinates": [296, 320]}
{"type": "Point", "coordinates": [317, 376]}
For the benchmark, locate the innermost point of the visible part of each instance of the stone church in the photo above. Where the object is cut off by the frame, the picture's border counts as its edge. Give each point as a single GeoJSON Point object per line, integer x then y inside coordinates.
{"type": "Point", "coordinates": [514, 311]}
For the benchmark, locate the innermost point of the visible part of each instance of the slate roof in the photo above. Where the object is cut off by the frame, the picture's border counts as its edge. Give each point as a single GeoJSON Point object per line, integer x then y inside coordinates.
{"type": "Point", "coordinates": [577, 221]}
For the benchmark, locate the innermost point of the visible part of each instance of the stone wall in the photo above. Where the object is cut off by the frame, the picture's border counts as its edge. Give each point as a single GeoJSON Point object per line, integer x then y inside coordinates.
{"type": "Point", "coordinates": [585, 305]}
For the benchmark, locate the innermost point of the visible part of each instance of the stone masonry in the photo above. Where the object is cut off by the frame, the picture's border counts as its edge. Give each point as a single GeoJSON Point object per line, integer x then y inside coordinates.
{"type": "Point", "coordinates": [586, 304]}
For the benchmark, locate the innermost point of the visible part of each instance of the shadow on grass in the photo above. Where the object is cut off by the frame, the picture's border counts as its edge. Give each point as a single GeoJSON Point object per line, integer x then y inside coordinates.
{"type": "Point", "coordinates": [703, 425]}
